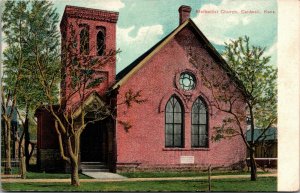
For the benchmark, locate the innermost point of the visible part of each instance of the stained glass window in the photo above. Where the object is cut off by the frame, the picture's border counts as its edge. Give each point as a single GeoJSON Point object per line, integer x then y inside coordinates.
{"type": "Point", "coordinates": [199, 124]}
{"type": "Point", "coordinates": [187, 81]}
{"type": "Point", "coordinates": [174, 123]}
{"type": "Point", "coordinates": [101, 42]}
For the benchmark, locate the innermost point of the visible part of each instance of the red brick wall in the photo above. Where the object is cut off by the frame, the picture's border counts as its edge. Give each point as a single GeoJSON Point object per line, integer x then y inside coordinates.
{"type": "Point", "coordinates": [145, 141]}
{"type": "Point", "coordinates": [94, 19]}
{"type": "Point", "coordinates": [47, 136]}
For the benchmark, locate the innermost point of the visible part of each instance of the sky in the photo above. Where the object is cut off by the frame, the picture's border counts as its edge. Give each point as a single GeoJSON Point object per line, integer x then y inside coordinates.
{"type": "Point", "coordinates": [142, 23]}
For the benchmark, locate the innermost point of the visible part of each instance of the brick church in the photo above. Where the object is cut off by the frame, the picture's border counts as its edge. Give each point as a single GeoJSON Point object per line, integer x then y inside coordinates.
{"type": "Point", "coordinates": [172, 129]}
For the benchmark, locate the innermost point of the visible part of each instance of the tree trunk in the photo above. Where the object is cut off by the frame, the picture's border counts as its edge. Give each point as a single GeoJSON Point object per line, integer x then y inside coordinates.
{"type": "Point", "coordinates": [253, 165]}
{"type": "Point", "coordinates": [14, 130]}
{"type": "Point", "coordinates": [74, 162]}
{"type": "Point", "coordinates": [7, 169]}
{"type": "Point", "coordinates": [74, 174]}
{"type": "Point", "coordinates": [22, 163]}
{"type": "Point", "coordinates": [27, 140]}
{"type": "Point", "coordinates": [20, 144]}
{"type": "Point", "coordinates": [252, 147]}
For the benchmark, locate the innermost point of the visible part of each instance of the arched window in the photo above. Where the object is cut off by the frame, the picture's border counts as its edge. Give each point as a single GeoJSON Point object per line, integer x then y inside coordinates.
{"type": "Point", "coordinates": [84, 40]}
{"type": "Point", "coordinates": [101, 41]}
{"type": "Point", "coordinates": [199, 124]}
{"type": "Point", "coordinates": [174, 123]}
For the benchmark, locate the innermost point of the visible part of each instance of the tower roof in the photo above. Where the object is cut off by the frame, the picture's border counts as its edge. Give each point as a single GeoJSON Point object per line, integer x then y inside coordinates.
{"type": "Point", "coordinates": [89, 14]}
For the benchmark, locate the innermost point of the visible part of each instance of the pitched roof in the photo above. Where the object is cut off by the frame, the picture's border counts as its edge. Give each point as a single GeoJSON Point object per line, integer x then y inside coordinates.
{"type": "Point", "coordinates": [123, 75]}
{"type": "Point", "coordinates": [127, 72]}
{"type": "Point", "coordinates": [128, 68]}
{"type": "Point", "coordinates": [92, 100]}
{"type": "Point", "coordinates": [270, 134]}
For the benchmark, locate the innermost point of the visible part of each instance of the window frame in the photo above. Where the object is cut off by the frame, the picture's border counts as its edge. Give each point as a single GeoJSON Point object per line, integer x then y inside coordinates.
{"type": "Point", "coordinates": [191, 77]}
{"type": "Point", "coordinates": [182, 145]}
{"type": "Point", "coordinates": [200, 124]}
{"type": "Point", "coordinates": [101, 29]}
{"type": "Point", "coordinates": [82, 48]}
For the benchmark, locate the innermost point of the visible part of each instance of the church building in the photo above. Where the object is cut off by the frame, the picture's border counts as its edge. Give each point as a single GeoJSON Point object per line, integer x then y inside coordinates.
{"type": "Point", "coordinates": [172, 129]}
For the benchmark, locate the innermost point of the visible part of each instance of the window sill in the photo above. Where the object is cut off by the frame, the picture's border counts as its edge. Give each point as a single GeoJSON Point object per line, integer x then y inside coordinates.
{"type": "Point", "coordinates": [185, 149]}
{"type": "Point", "coordinates": [200, 149]}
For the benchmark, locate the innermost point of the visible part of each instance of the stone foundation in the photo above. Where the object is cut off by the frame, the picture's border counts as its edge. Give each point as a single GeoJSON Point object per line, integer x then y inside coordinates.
{"type": "Point", "coordinates": [134, 167]}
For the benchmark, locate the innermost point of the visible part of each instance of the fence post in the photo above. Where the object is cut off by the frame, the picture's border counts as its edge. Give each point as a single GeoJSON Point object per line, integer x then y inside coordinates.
{"type": "Point", "coordinates": [209, 178]}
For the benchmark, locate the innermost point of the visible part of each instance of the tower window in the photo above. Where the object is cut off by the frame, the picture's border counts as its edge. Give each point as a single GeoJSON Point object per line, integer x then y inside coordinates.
{"type": "Point", "coordinates": [100, 41]}
{"type": "Point", "coordinates": [84, 40]}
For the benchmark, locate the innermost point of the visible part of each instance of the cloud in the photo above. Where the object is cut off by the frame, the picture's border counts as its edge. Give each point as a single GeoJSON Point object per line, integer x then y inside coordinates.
{"type": "Point", "coordinates": [113, 5]}
{"type": "Point", "coordinates": [133, 46]}
{"type": "Point", "coordinates": [4, 46]}
{"type": "Point", "coordinates": [104, 4]}
{"type": "Point", "coordinates": [246, 20]}
{"type": "Point", "coordinates": [228, 21]}
{"type": "Point", "coordinates": [144, 33]}
{"type": "Point", "coordinates": [272, 51]}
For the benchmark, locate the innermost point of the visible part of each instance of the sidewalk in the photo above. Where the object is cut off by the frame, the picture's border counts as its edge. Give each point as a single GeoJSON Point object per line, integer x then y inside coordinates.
{"type": "Point", "coordinates": [133, 179]}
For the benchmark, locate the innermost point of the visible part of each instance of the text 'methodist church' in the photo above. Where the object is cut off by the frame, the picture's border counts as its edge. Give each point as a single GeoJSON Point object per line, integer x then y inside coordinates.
{"type": "Point", "coordinates": [172, 129]}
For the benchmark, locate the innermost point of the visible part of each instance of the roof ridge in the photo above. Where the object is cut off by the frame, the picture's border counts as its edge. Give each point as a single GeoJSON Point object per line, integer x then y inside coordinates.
{"type": "Point", "coordinates": [121, 75]}
{"type": "Point", "coordinates": [135, 62]}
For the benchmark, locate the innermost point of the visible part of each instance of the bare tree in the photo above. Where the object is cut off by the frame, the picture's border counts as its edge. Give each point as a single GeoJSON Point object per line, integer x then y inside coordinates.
{"type": "Point", "coordinates": [245, 89]}
{"type": "Point", "coordinates": [80, 97]}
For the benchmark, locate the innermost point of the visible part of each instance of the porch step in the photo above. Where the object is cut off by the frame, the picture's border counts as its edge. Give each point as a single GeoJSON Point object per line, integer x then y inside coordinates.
{"type": "Point", "coordinates": [95, 170]}
{"type": "Point", "coordinates": [91, 163]}
{"type": "Point", "coordinates": [94, 167]}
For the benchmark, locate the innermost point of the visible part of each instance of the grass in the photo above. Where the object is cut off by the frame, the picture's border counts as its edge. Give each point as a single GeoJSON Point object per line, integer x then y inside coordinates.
{"type": "Point", "coordinates": [43, 175]}
{"type": "Point", "coordinates": [262, 184]}
{"type": "Point", "coordinates": [164, 174]}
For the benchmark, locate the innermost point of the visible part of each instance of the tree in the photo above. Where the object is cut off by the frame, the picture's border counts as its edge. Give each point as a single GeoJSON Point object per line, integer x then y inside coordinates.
{"type": "Point", "coordinates": [20, 21]}
{"type": "Point", "coordinates": [33, 75]}
{"type": "Point", "coordinates": [245, 91]}
{"type": "Point", "coordinates": [14, 28]}
{"type": "Point", "coordinates": [79, 98]}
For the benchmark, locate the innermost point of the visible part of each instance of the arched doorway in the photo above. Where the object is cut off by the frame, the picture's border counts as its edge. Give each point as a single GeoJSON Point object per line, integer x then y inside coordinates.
{"type": "Point", "coordinates": [94, 142]}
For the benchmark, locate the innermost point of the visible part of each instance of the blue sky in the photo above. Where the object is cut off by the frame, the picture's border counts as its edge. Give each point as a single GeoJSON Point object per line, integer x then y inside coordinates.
{"type": "Point", "coordinates": [142, 23]}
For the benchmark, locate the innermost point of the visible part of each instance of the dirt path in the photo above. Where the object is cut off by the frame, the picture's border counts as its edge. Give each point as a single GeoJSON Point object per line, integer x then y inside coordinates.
{"type": "Point", "coordinates": [132, 179]}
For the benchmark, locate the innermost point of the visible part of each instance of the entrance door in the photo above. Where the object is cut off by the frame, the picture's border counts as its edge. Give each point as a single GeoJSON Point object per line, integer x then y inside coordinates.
{"type": "Point", "coordinates": [91, 143]}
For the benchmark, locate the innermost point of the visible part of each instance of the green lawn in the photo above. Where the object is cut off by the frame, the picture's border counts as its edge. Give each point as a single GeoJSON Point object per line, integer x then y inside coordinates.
{"type": "Point", "coordinates": [262, 184]}
{"type": "Point", "coordinates": [163, 174]}
{"type": "Point", "coordinates": [43, 175]}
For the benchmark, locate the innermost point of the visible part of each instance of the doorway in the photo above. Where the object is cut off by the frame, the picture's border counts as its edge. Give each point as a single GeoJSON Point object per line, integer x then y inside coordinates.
{"type": "Point", "coordinates": [93, 143]}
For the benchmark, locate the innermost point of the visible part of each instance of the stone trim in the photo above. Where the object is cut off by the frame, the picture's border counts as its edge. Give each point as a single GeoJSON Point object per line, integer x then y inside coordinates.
{"type": "Point", "coordinates": [90, 14]}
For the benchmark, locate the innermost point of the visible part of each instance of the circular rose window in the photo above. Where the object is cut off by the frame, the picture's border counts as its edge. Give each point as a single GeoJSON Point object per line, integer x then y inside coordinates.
{"type": "Point", "coordinates": [187, 81]}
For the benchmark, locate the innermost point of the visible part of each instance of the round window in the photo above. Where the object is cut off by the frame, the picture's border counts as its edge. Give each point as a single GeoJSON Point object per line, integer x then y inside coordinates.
{"type": "Point", "coordinates": [187, 81]}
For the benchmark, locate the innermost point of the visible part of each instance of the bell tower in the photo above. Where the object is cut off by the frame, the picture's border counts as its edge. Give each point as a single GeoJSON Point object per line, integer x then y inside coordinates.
{"type": "Point", "coordinates": [90, 34]}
